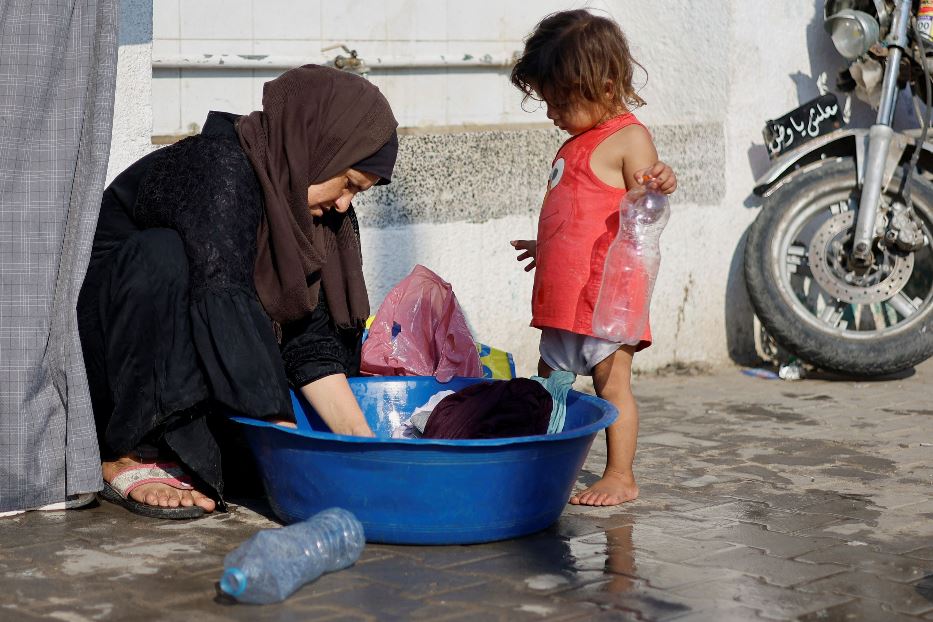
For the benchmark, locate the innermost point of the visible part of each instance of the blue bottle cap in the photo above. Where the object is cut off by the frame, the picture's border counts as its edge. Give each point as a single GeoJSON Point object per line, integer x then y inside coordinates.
{"type": "Point", "coordinates": [233, 582]}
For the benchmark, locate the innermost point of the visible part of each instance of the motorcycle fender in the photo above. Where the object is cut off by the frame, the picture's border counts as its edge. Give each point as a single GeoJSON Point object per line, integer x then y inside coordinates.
{"type": "Point", "coordinates": [847, 142]}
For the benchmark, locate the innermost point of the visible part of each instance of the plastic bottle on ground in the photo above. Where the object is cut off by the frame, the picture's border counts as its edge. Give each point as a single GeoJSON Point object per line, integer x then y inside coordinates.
{"type": "Point", "coordinates": [792, 370]}
{"type": "Point", "coordinates": [631, 268]}
{"type": "Point", "coordinates": [273, 563]}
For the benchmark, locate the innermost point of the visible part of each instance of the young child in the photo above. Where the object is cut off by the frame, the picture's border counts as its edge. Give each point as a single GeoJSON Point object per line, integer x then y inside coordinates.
{"type": "Point", "coordinates": [580, 66]}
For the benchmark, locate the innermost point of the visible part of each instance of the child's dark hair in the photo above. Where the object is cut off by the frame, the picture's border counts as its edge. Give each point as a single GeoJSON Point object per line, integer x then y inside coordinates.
{"type": "Point", "coordinates": [572, 56]}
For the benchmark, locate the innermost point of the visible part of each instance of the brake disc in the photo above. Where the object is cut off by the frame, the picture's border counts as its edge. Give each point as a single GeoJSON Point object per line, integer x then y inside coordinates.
{"type": "Point", "coordinates": [828, 266]}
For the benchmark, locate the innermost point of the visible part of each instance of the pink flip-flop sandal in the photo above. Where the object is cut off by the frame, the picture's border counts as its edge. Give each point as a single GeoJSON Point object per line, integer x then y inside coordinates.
{"type": "Point", "coordinates": [129, 479]}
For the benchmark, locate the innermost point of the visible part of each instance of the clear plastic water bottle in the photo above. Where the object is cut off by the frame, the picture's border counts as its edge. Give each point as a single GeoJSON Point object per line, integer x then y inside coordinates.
{"type": "Point", "coordinates": [273, 563]}
{"type": "Point", "coordinates": [632, 262]}
{"type": "Point", "coordinates": [793, 370]}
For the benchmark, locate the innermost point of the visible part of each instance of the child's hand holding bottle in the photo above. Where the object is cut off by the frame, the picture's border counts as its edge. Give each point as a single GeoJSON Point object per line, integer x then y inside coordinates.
{"type": "Point", "coordinates": [661, 177]}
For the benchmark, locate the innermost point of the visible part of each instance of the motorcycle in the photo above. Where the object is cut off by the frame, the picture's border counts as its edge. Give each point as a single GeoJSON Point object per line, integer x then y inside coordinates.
{"type": "Point", "coordinates": [838, 263]}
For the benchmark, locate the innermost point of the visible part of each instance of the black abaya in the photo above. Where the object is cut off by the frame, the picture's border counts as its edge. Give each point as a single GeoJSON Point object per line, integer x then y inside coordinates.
{"type": "Point", "coordinates": [174, 335]}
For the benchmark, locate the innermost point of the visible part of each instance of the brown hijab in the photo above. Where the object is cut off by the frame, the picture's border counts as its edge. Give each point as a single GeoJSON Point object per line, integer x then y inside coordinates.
{"type": "Point", "coordinates": [315, 123]}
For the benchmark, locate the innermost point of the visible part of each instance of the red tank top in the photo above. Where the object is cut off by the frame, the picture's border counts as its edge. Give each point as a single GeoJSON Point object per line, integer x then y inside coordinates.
{"type": "Point", "coordinates": [578, 221]}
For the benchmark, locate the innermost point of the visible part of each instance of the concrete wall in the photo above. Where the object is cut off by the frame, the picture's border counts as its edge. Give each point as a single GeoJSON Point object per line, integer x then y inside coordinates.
{"type": "Point", "coordinates": [376, 29]}
{"type": "Point", "coordinates": [132, 114]}
{"type": "Point", "coordinates": [473, 164]}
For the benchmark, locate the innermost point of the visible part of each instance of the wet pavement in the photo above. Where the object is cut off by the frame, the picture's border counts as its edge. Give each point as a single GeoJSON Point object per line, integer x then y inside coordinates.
{"type": "Point", "coordinates": [760, 499]}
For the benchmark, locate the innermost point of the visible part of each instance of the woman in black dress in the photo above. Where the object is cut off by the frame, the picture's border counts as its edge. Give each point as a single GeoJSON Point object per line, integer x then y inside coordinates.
{"type": "Point", "coordinates": [226, 267]}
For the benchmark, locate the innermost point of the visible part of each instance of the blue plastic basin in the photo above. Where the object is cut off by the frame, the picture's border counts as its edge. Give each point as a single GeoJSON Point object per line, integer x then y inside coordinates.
{"type": "Point", "coordinates": [423, 491]}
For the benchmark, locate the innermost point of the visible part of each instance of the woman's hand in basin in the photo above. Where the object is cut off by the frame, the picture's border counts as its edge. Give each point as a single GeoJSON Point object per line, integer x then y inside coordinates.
{"type": "Point", "coordinates": [332, 399]}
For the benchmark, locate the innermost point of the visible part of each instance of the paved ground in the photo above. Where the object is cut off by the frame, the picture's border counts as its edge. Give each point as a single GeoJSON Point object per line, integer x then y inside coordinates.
{"type": "Point", "coordinates": [761, 499]}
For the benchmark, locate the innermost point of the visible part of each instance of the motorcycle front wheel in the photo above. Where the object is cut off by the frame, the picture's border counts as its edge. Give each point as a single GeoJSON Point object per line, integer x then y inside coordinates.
{"type": "Point", "coordinates": [854, 322]}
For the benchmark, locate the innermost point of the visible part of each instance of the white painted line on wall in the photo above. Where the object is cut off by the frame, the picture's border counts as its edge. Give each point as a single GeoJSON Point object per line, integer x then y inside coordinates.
{"type": "Point", "coordinates": [270, 61]}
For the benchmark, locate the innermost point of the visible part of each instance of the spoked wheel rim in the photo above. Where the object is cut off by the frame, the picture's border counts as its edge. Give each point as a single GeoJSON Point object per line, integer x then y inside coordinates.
{"type": "Point", "coordinates": [893, 297]}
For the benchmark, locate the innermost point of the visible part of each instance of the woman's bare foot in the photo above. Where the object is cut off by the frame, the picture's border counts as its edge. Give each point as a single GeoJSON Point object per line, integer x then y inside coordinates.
{"type": "Point", "coordinates": [156, 494]}
{"type": "Point", "coordinates": [614, 488]}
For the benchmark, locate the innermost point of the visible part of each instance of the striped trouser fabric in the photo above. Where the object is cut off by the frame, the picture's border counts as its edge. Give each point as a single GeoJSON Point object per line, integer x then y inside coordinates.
{"type": "Point", "coordinates": [57, 78]}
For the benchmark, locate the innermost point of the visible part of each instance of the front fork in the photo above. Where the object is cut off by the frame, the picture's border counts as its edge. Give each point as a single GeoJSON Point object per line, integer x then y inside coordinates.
{"type": "Point", "coordinates": [879, 141]}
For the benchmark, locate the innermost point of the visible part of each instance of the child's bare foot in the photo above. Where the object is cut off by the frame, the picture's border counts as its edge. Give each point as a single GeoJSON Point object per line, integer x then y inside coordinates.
{"type": "Point", "coordinates": [614, 488]}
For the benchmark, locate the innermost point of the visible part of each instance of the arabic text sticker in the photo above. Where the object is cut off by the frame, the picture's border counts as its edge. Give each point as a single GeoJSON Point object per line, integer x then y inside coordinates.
{"type": "Point", "coordinates": [814, 118]}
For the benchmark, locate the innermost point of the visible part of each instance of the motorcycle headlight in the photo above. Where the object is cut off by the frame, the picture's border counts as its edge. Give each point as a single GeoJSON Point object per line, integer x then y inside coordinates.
{"type": "Point", "coordinates": [853, 32]}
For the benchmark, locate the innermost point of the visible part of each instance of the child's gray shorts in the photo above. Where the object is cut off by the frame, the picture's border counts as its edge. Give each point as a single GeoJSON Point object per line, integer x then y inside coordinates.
{"type": "Point", "coordinates": [562, 349]}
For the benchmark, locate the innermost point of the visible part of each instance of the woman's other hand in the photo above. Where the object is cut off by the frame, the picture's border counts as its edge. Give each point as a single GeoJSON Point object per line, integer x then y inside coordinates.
{"type": "Point", "coordinates": [529, 250]}
{"type": "Point", "coordinates": [662, 177]}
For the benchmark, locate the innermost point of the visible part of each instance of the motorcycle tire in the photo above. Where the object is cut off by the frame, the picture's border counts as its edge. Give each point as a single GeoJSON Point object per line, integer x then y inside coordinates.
{"type": "Point", "coordinates": [782, 311]}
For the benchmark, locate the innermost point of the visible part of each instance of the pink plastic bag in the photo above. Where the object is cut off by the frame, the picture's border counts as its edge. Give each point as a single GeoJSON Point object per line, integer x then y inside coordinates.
{"type": "Point", "coordinates": [419, 330]}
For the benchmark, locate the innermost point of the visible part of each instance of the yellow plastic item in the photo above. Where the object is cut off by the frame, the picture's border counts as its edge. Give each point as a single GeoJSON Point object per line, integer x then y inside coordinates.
{"type": "Point", "coordinates": [497, 363]}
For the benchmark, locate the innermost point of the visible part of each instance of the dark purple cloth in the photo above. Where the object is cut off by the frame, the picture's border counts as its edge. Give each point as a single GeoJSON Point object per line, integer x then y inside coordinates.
{"type": "Point", "coordinates": [517, 407]}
